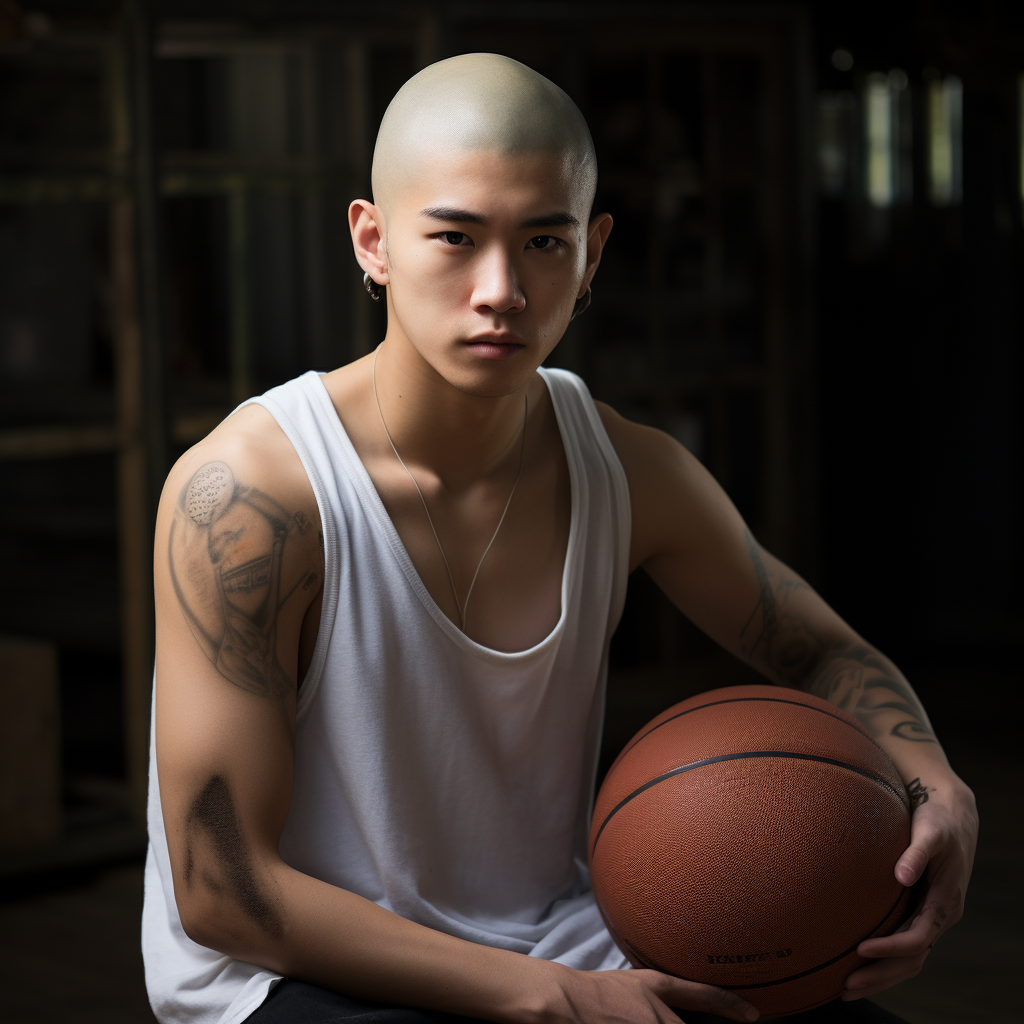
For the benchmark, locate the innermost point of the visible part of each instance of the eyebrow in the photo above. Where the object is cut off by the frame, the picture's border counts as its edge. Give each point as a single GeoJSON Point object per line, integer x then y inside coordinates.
{"type": "Point", "coordinates": [547, 220]}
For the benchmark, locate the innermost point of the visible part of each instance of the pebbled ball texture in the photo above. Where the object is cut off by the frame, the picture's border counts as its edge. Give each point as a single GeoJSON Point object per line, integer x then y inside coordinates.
{"type": "Point", "coordinates": [747, 838]}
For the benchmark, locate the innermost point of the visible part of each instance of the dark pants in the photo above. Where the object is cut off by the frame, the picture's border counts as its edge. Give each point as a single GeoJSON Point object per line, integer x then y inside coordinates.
{"type": "Point", "coordinates": [295, 1002]}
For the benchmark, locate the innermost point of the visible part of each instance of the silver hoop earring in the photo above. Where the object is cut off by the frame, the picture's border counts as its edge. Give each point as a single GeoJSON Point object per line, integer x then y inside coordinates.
{"type": "Point", "coordinates": [372, 288]}
{"type": "Point", "coordinates": [581, 305]}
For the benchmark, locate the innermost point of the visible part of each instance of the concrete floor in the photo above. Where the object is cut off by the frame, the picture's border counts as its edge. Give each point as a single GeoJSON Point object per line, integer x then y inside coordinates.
{"type": "Point", "coordinates": [72, 955]}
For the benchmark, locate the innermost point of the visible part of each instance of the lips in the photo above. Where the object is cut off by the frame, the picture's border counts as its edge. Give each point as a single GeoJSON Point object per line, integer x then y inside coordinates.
{"type": "Point", "coordinates": [496, 338]}
{"type": "Point", "coordinates": [495, 346]}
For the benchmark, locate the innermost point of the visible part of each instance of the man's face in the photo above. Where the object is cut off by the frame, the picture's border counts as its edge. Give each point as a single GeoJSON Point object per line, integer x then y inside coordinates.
{"type": "Point", "coordinates": [486, 252]}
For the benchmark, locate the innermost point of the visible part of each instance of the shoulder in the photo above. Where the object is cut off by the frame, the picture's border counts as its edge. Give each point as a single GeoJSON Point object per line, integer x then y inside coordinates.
{"type": "Point", "coordinates": [249, 450]}
{"type": "Point", "coordinates": [244, 476]}
{"type": "Point", "coordinates": [653, 460]}
{"type": "Point", "coordinates": [675, 501]}
{"type": "Point", "coordinates": [636, 444]}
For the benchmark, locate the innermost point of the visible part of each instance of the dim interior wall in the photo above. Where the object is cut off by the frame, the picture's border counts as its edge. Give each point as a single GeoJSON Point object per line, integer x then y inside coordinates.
{"type": "Point", "coordinates": [919, 340]}
{"type": "Point", "coordinates": [31, 812]}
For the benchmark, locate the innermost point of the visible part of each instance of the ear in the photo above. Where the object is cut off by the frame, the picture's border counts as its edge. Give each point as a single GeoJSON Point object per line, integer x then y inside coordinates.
{"type": "Point", "coordinates": [598, 230]}
{"type": "Point", "coordinates": [366, 223]}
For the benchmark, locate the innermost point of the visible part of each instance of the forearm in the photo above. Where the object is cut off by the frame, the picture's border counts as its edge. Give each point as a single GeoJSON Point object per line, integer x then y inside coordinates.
{"type": "Point", "coordinates": [335, 939]}
{"type": "Point", "coordinates": [797, 640]}
{"type": "Point", "coordinates": [863, 682]}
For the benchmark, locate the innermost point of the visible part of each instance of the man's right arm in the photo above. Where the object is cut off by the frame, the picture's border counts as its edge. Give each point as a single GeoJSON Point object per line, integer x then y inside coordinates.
{"type": "Point", "coordinates": [236, 558]}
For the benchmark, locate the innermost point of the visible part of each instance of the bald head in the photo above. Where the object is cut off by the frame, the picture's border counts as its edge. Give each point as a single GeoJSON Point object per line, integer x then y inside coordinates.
{"type": "Point", "coordinates": [478, 101]}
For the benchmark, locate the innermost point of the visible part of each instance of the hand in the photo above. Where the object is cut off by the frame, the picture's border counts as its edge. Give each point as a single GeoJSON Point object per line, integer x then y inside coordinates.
{"type": "Point", "coordinates": [944, 833]}
{"type": "Point", "coordinates": [642, 997]}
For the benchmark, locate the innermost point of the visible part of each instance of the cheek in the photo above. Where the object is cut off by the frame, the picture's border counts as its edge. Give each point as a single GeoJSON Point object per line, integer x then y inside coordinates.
{"type": "Point", "coordinates": [428, 290]}
{"type": "Point", "coordinates": [425, 270]}
{"type": "Point", "coordinates": [559, 294]}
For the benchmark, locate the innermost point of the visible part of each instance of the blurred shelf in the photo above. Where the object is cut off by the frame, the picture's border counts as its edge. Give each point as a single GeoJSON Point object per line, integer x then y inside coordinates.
{"type": "Point", "coordinates": [65, 441]}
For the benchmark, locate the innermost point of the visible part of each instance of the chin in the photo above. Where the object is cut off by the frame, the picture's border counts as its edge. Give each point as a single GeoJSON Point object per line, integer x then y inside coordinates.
{"type": "Point", "coordinates": [508, 385]}
{"type": "Point", "coordinates": [485, 378]}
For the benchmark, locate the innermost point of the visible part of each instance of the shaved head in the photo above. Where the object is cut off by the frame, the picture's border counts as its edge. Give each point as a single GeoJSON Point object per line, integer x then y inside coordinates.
{"type": "Point", "coordinates": [478, 101]}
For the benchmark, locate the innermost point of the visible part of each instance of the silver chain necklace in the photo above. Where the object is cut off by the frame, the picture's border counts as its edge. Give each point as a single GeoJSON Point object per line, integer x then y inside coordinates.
{"type": "Point", "coordinates": [461, 607]}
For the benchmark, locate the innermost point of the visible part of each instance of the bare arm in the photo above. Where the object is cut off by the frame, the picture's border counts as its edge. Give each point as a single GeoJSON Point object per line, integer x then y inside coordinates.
{"type": "Point", "coordinates": [695, 545]}
{"type": "Point", "coordinates": [237, 563]}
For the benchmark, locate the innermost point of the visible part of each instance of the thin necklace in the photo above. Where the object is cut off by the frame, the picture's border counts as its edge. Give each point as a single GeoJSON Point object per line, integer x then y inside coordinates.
{"type": "Point", "coordinates": [461, 607]}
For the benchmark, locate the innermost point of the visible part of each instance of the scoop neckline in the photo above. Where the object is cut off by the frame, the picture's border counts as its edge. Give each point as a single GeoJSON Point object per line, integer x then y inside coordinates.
{"type": "Point", "coordinates": [375, 505]}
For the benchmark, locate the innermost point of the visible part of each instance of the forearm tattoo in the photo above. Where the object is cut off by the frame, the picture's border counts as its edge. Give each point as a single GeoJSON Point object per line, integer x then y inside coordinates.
{"type": "Point", "coordinates": [855, 676]}
{"type": "Point", "coordinates": [868, 686]}
{"type": "Point", "coordinates": [217, 855]}
{"type": "Point", "coordinates": [226, 554]}
{"type": "Point", "coordinates": [773, 637]}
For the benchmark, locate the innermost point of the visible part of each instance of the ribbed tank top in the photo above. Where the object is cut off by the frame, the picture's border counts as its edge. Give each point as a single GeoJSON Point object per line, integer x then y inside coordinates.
{"type": "Point", "coordinates": [446, 781]}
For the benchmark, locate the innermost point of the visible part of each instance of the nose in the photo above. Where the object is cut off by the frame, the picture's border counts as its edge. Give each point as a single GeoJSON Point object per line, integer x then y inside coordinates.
{"type": "Point", "coordinates": [497, 284]}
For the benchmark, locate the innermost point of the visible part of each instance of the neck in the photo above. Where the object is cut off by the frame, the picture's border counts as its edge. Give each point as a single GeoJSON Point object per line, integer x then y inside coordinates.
{"type": "Point", "coordinates": [458, 436]}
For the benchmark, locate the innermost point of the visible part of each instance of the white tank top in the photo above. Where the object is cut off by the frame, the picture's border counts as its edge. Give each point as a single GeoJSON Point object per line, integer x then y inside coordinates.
{"type": "Point", "coordinates": [446, 781]}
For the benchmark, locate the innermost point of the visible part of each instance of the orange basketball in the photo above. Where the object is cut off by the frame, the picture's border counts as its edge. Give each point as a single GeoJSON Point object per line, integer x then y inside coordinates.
{"type": "Point", "coordinates": [746, 838]}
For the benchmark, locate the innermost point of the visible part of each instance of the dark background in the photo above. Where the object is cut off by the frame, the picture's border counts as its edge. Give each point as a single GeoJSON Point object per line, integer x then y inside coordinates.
{"type": "Point", "coordinates": [173, 184]}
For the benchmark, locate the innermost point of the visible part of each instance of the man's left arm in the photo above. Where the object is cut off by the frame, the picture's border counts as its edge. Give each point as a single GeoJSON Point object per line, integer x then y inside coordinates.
{"type": "Point", "coordinates": [689, 537]}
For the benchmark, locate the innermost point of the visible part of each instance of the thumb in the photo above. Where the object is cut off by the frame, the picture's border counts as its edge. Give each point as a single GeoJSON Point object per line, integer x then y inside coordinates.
{"type": "Point", "coordinates": [923, 845]}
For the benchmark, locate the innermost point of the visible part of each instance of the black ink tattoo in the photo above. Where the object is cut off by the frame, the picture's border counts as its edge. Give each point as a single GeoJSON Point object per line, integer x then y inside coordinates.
{"type": "Point", "coordinates": [766, 605]}
{"type": "Point", "coordinates": [860, 681]}
{"type": "Point", "coordinates": [918, 793]}
{"type": "Point", "coordinates": [783, 644]}
{"type": "Point", "coordinates": [778, 640]}
{"type": "Point", "coordinates": [210, 489]}
{"type": "Point", "coordinates": [226, 553]}
{"type": "Point", "coordinates": [913, 731]}
{"type": "Point", "coordinates": [212, 820]}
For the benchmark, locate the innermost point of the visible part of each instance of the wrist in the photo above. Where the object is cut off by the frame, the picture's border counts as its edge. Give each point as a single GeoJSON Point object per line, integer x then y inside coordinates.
{"type": "Point", "coordinates": [939, 784]}
{"type": "Point", "coordinates": [542, 996]}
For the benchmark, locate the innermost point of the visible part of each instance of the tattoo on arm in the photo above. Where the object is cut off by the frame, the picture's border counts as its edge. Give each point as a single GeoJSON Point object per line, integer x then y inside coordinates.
{"type": "Point", "coordinates": [773, 637]}
{"type": "Point", "coordinates": [779, 641]}
{"type": "Point", "coordinates": [214, 834]}
{"type": "Point", "coordinates": [859, 680]}
{"type": "Point", "coordinates": [226, 553]}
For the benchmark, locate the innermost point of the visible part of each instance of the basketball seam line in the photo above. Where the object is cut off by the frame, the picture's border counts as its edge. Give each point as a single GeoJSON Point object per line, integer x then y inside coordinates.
{"type": "Point", "coordinates": [740, 700]}
{"type": "Point", "coordinates": [740, 755]}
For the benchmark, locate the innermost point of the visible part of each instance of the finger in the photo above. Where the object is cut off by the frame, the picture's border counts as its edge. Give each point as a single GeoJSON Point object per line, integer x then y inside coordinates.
{"type": "Point", "coordinates": [693, 995]}
{"type": "Point", "coordinates": [663, 1013]}
{"type": "Point", "coordinates": [917, 936]}
{"type": "Point", "coordinates": [876, 977]}
{"type": "Point", "coordinates": [911, 865]}
{"type": "Point", "coordinates": [925, 843]}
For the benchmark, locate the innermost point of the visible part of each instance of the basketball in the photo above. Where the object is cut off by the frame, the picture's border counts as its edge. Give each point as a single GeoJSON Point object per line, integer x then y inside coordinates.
{"type": "Point", "coordinates": [746, 838]}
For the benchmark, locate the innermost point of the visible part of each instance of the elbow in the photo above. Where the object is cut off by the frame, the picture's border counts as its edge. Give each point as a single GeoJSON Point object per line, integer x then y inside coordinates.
{"type": "Point", "coordinates": [203, 920]}
{"type": "Point", "coordinates": [199, 928]}
{"type": "Point", "coordinates": [219, 922]}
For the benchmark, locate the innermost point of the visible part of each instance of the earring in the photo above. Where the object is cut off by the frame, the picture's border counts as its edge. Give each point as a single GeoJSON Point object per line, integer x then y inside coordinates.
{"type": "Point", "coordinates": [372, 288]}
{"type": "Point", "coordinates": [581, 305]}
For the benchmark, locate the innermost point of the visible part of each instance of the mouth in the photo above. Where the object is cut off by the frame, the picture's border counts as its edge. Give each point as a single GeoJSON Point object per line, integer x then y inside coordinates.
{"type": "Point", "coordinates": [495, 346]}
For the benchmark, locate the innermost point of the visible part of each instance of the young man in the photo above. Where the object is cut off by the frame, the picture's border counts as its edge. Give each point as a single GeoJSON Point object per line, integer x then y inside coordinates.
{"type": "Point", "coordinates": [384, 601]}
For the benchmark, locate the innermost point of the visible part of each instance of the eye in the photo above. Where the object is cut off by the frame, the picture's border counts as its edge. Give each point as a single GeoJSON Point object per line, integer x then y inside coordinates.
{"type": "Point", "coordinates": [544, 242]}
{"type": "Point", "coordinates": [454, 237]}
